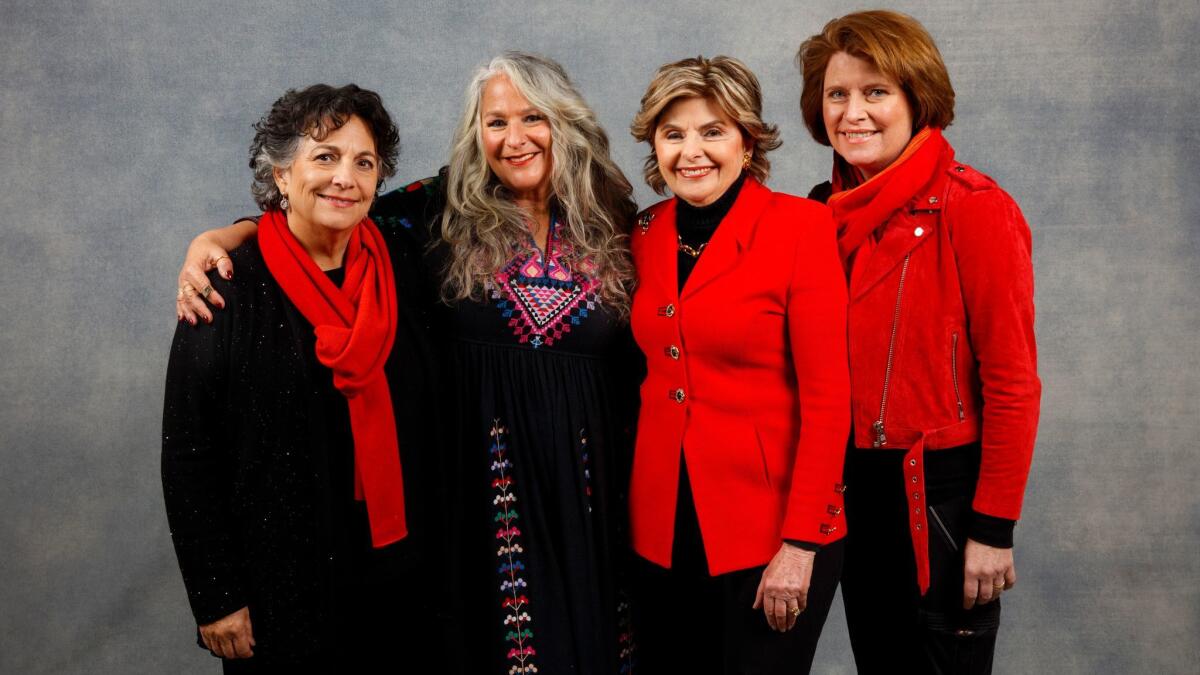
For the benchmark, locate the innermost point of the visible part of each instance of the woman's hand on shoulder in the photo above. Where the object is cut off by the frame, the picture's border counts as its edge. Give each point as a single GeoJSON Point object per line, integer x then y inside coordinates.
{"type": "Point", "coordinates": [783, 591]}
{"type": "Point", "coordinates": [230, 637]}
{"type": "Point", "coordinates": [210, 250]}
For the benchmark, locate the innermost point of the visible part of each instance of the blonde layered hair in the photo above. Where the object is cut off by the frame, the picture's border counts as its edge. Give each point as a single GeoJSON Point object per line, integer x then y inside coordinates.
{"type": "Point", "coordinates": [721, 80]}
{"type": "Point", "coordinates": [482, 225]}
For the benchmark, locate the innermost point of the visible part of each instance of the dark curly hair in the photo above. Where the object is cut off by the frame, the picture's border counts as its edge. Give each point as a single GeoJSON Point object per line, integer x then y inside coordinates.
{"type": "Point", "coordinates": [316, 111]}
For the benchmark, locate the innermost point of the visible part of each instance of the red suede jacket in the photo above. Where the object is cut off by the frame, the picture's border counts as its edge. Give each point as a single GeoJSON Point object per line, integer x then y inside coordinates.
{"type": "Point", "coordinates": [942, 348]}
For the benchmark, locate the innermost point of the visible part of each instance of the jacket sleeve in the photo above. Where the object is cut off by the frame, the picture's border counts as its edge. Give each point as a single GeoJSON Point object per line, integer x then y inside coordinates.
{"type": "Point", "coordinates": [197, 464]}
{"type": "Point", "coordinates": [816, 320]}
{"type": "Point", "coordinates": [993, 247]}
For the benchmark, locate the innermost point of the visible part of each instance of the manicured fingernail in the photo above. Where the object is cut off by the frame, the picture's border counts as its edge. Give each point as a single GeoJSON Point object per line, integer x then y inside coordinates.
{"type": "Point", "coordinates": [192, 321]}
{"type": "Point", "coordinates": [229, 275]}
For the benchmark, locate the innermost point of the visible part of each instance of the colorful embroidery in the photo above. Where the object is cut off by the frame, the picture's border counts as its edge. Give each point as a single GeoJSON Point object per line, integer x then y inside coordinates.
{"type": "Point", "coordinates": [587, 468]}
{"type": "Point", "coordinates": [625, 642]}
{"type": "Point", "coordinates": [540, 296]}
{"type": "Point", "coordinates": [514, 602]}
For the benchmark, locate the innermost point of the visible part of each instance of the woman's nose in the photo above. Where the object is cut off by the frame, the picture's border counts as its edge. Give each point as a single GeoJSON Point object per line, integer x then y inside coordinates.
{"type": "Point", "coordinates": [856, 107]}
{"type": "Point", "coordinates": [691, 146]}
{"type": "Point", "coordinates": [515, 136]}
{"type": "Point", "coordinates": [342, 175]}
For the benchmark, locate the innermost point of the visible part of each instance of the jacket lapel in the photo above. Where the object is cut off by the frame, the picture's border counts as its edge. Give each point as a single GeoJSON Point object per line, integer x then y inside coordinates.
{"type": "Point", "coordinates": [730, 239]}
{"type": "Point", "coordinates": [904, 232]}
{"type": "Point", "coordinates": [659, 263]}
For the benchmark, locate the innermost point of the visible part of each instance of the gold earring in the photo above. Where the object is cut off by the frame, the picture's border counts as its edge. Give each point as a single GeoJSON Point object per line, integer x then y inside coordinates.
{"type": "Point", "coordinates": [746, 161]}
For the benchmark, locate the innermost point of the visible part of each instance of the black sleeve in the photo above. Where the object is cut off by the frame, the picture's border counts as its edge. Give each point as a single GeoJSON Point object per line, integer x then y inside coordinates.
{"type": "Point", "coordinates": [412, 211]}
{"type": "Point", "coordinates": [821, 192]}
{"type": "Point", "coordinates": [806, 545]}
{"type": "Point", "coordinates": [991, 530]}
{"type": "Point", "coordinates": [198, 463]}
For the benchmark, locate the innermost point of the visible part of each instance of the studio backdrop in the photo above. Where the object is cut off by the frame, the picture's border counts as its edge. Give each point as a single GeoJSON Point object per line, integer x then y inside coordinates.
{"type": "Point", "coordinates": [125, 126]}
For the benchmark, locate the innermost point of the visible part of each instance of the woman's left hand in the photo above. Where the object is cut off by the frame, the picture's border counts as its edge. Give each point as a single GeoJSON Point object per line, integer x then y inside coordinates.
{"type": "Point", "coordinates": [986, 572]}
{"type": "Point", "coordinates": [783, 591]}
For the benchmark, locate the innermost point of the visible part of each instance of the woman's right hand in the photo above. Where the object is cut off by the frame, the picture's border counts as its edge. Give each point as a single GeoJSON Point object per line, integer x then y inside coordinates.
{"type": "Point", "coordinates": [208, 251]}
{"type": "Point", "coordinates": [230, 637]}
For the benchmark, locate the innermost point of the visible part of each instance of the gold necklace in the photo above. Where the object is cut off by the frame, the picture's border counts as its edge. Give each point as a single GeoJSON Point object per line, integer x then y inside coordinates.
{"type": "Point", "coordinates": [694, 252]}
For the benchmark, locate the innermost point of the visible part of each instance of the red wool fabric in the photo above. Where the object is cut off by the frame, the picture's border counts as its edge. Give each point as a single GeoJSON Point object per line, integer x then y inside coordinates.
{"type": "Point", "coordinates": [355, 327]}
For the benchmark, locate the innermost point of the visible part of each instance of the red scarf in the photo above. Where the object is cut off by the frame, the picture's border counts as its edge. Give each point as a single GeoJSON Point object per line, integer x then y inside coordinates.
{"type": "Point", "coordinates": [861, 209]}
{"type": "Point", "coordinates": [355, 327]}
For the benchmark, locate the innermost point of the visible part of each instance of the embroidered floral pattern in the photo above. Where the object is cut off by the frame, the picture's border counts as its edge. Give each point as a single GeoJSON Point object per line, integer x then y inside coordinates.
{"type": "Point", "coordinates": [540, 296]}
{"type": "Point", "coordinates": [625, 641]}
{"type": "Point", "coordinates": [514, 601]}
{"type": "Point", "coordinates": [587, 468]}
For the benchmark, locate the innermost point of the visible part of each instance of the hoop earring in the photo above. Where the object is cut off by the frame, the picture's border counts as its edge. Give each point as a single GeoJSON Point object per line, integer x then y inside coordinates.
{"type": "Point", "coordinates": [746, 161]}
{"type": "Point", "coordinates": [283, 203]}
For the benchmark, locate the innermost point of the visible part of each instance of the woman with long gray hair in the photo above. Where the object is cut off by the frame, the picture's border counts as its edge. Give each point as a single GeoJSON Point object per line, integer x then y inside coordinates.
{"type": "Point", "coordinates": [529, 279]}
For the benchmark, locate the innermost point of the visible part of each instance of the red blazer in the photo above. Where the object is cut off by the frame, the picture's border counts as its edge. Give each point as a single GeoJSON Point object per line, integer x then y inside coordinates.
{"type": "Point", "coordinates": [747, 374]}
{"type": "Point", "coordinates": [941, 319]}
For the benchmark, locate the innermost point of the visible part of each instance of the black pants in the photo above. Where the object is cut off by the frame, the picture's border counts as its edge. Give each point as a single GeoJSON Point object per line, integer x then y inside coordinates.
{"type": "Point", "coordinates": [892, 628]}
{"type": "Point", "coordinates": [686, 621]}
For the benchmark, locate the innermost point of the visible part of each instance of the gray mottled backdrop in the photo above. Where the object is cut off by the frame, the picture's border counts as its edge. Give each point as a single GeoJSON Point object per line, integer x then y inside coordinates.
{"type": "Point", "coordinates": [124, 127]}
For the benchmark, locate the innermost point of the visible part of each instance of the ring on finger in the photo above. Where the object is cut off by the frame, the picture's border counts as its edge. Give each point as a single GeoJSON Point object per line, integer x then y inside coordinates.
{"type": "Point", "coordinates": [206, 290]}
{"type": "Point", "coordinates": [795, 611]}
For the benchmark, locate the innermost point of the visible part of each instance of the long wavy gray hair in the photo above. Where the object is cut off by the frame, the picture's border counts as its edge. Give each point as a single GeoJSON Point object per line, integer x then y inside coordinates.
{"type": "Point", "coordinates": [482, 225]}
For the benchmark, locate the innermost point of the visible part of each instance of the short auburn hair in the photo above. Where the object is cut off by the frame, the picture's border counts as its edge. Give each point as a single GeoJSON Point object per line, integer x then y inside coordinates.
{"type": "Point", "coordinates": [898, 46]}
{"type": "Point", "coordinates": [723, 81]}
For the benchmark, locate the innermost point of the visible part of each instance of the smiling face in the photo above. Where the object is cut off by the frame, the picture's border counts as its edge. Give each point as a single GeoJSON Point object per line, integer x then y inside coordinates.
{"type": "Point", "coordinates": [516, 140]}
{"type": "Point", "coordinates": [700, 150]}
{"type": "Point", "coordinates": [866, 113]}
{"type": "Point", "coordinates": [331, 182]}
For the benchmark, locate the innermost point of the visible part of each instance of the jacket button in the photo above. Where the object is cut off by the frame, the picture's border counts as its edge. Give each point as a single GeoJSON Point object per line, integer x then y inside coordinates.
{"type": "Point", "coordinates": [919, 231]}
{"type": "Point", "coordinates": [914, 479]}
{"type": "Point", "coordinates": [679, 396]}
{"type": "Point", "coordinates": [912, 462]}
{"type": "Point", "coordinates": [933, 200]}
{"type": "Point", "coordinates": [667, 311]}
{"type": "Point", "coordinates": [916, 496]}
{"type": "Point", "coordinates": [673, 352]}
{"type": "Point", "coordinates": [960, 169]}
{"type": "Point", "coordinates": [918, 526]}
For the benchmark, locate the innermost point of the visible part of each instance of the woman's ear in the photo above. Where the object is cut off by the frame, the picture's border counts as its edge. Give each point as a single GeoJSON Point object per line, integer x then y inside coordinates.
{"type": "Point", "coordinates": [281, 179]}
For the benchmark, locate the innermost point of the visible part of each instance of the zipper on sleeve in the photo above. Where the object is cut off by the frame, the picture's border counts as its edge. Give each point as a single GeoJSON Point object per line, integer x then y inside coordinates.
{"type": "Point", "coordinates": [881, 437]}
{"type": "Point", "coordinates": [954, 375]}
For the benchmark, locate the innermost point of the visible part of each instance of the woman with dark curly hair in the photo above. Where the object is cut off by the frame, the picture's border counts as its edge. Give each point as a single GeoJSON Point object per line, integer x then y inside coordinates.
{"type": "Point", "coordinates": [529, 277]}
{"type": "Point", "coordinates": [293, 501]}
{"type": "Point", "coordinates": [943, 360]}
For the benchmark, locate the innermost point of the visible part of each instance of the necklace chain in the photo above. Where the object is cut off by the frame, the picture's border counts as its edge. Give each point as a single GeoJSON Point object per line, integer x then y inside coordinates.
{"type": "Point", "coordinates": [693, 252]}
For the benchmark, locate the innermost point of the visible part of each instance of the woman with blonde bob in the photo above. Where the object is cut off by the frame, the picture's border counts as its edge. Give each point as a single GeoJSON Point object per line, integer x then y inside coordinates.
{"type": "Point", "coordinates": [943, 360]}
{"type": "Point", "coordinates": [529, 279]}
{"type": "Point", "coordinates": [736, 497]}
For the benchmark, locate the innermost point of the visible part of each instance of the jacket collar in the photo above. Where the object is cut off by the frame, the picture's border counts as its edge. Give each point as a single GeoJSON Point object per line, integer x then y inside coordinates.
{"type": "Point", "coordinates": [730, 239]}
{"type": "Point", "coordinates": [903, 233]}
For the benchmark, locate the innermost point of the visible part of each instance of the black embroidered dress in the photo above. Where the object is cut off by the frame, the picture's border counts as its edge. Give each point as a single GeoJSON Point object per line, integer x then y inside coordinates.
{"type": "Point", "coordinates": [540, 443]}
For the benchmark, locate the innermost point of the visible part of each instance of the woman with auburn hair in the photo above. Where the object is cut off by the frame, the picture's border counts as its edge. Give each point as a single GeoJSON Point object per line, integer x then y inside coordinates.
{"type": "Point", "coordinates": [529, 281]}
{"type": "Point", "coordinates": [736, 497]}
{"type": "Point", "coordinates": [943, 360]}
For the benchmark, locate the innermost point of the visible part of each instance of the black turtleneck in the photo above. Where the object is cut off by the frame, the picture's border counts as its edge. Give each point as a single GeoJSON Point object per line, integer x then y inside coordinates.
{"type": "Point", "coordinates": [696, 224]}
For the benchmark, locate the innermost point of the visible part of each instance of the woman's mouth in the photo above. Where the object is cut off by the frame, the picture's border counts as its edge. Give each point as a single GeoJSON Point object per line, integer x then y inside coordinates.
{"type": "Point", "coordinates": [521, 160]}
{"type": "Point", "coordinates": [338, 202]}
{"type": "Point", "coordinates": [694, 172]}
{"type": "Point", "coordinates": [858, 136]}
